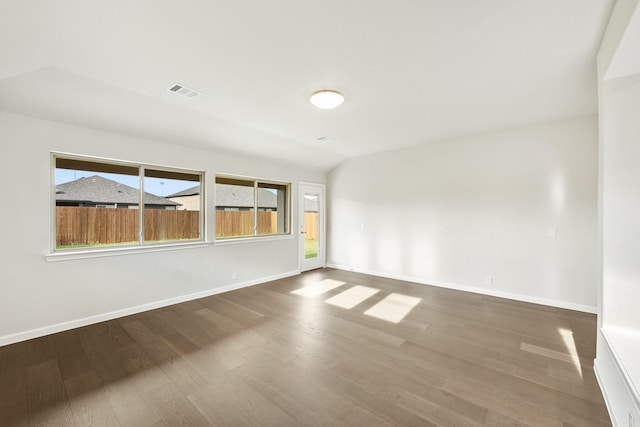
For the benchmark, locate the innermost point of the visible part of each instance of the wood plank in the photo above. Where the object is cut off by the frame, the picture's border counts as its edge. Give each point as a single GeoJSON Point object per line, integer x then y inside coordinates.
{"type": "Point", "coordinates": [131, 405]}
{"type": "Point", "coordinates": [14, 408]}
{"type": "Point", "coordinates": [48, 403]}
{"type": "Point", "coordinates": [182, 374]}
{"type": "Point", "coordinates": [174, 408]}
{"type": "Point", "coordinates": [88, 401]}
{"type": "Point", "coordinates": [432, 412]}
{"type": "Point", "coordinates": [140, 366]}
{"type": "Point", "coordinates": [224, 403]}
{"type": "Point", "coordinates": [359, 416]}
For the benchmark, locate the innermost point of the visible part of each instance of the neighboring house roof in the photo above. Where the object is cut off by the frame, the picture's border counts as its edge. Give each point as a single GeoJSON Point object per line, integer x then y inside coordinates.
{"type": "Point", "coordinates": [242, 197]}
{"type": "Point", "coordinates": [193, 191]}
{"type": "Point", "coordinates": [235, 196]}
{"type": "Point", "coordinates": [98, 190]}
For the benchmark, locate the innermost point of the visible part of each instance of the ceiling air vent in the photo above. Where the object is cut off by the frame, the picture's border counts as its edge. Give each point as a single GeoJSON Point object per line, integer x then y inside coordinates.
{"type": "Point", "coordinates": [184, 91]}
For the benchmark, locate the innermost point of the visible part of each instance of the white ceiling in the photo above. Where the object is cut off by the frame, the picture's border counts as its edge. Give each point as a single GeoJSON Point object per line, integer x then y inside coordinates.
{"type": "Point", "coordinates": [626, 59]}
{"type": "Point", "coordinates": [412, 71]}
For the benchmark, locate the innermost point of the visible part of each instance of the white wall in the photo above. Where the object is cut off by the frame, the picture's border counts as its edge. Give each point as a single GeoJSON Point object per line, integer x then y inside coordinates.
{"type": "Point", "coordinates": [454, 212]}
{"type": "Point", "coordinates": [36, 295]}
{"type": "Point", "coordinates": [618, 349]}
{"type": "Point", "coordinates": [618, 355]}
{"type": "Point", "coordinates": [621, 201]}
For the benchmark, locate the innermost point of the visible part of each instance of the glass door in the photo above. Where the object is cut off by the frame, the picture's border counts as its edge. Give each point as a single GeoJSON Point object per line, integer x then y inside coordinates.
{"type": "Point", "coordinates": [311, 225]}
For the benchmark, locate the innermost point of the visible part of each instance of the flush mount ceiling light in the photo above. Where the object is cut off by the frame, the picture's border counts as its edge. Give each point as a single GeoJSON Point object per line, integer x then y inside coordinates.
{"type": "Point", "coordinates": [326, 99]}
{"type": "Point", "coordinates": [324, 139]}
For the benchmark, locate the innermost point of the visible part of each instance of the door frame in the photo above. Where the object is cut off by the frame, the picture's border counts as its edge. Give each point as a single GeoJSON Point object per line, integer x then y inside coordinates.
{"type": "Point", "coordinates": [322, 229]}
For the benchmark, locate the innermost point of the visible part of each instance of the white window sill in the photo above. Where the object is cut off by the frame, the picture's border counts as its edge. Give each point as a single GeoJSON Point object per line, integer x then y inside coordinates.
{"type": "Point", "coordinates": [105, 252]}
{"type": "Point", "coordinates": [235, 241]}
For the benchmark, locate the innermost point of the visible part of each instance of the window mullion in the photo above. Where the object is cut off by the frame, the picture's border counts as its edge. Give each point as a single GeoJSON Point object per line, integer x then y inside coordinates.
{"type": "Point", "coordinates": [255, 208]}
{"type": "Point", "coordinates": [141, 208]}
{"type": "Point", "coordinates": [203, 218]}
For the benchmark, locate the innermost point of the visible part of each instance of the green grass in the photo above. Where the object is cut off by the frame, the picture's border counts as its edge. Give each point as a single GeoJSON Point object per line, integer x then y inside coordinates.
{"type": "Point", "coordinates": [123, 244]}
{"type": "Point", "coordinates": [310, 248]}
{"type": "Point", "coordinates": [96, 245]}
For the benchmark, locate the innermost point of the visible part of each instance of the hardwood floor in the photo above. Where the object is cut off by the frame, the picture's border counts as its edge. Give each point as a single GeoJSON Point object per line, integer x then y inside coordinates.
{"type": "Point", "coordinates": [276, 355]}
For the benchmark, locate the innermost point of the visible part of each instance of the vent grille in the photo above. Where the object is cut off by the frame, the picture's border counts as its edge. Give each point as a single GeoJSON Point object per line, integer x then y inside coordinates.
{"type": "Point", "coordinates": [183, 90]}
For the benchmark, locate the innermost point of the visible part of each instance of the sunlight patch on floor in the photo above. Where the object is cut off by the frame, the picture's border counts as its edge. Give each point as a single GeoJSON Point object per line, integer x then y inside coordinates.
{"type": "Point", "coordinates": [572, 356]}
{"type": "Point", "coordinates": [352, 296]}
{"type": "Point", "coordinates": [393, 308]}
{"type": "Point", "coordinates": [570, 344]}
{"type": "Point", "coordinates": [318, 288]}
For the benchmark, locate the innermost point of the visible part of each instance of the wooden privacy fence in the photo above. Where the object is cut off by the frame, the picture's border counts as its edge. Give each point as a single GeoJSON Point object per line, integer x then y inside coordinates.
{"type": "Point", "coordinates": [77, 226]}
{"type": "Point", "coordinates": [161, 224]}
{"type": "Point", "coordinates": [240, 223]}
{"type": "Point", "coordinates": [311, 225]}
{"type": "Point", "coordinates": [94, 226]}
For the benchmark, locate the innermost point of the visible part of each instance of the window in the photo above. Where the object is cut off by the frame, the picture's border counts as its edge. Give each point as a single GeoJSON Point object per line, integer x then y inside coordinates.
{"type": "Point", "coordinates": [171, 200]}
{"type": "Point", "coordinates": [251, 207]}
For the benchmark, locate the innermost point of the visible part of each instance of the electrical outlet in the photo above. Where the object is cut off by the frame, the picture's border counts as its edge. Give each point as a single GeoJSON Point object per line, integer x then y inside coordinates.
{"type": "Point", "coordinates": [632, 420]}
{"type": "Point", "coordinates": [487, 280]}
{"type": "Point", "coordinates": [234, 275]}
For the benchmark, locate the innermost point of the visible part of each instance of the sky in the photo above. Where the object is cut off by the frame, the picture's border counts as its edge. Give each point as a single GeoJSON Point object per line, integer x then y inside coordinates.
{"type": "Point", "coordinates": [157, 186]}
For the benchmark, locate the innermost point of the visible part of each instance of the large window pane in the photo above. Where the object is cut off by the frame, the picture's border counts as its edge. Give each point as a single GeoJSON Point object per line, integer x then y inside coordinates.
{"type": "Point", "coordinates": [235, 200]}
{"type": "Point", "coordinates": [93, 204]}
{"type": "Point", "coordinates": [272, 209]}
{"type": "Point", "coordinates": [248, 208]}
{"type": "Point", "coordinates": [172, 203]}
{"type": "Point", "coordinates": [98, 204]}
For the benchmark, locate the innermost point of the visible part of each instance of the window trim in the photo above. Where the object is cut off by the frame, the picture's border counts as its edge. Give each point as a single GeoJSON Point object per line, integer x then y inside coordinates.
{"type": "Point", "coordinates": [95, 251]}
{"type": "Point", "coordinates": [255, 236]}
{"type": "Point", "coordinates": [92, 252]}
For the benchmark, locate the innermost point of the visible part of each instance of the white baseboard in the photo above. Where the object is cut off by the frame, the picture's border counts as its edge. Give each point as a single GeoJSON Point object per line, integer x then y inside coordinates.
{"type": "Point", "coordinates": [64, 326]}
{"type": "Point", "coordinates": [474, 289]}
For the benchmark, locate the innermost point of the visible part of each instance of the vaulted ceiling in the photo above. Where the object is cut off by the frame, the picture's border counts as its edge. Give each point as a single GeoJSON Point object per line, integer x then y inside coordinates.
{"type": "Point", "coordinates": [412, 72]}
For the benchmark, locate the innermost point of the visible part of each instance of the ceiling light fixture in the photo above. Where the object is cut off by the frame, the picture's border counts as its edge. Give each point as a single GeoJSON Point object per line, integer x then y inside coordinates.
{"type": "Point", "coordinates": [326, 99]}
{"type": "Point", "coordinates": [324, 139]}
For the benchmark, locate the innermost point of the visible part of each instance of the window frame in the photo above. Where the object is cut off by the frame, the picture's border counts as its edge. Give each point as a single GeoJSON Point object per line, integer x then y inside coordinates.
{"type": "Point", "coordinates": [255, 236]}
{"type": "Point", "coordinates": [56, 253]}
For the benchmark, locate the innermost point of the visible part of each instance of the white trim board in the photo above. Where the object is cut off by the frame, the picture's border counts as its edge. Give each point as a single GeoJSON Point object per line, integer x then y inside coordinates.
{"type": "Point", "coordinates": [623, 348]}
{"type": "Point", "coordinates": [473, 289]}
{"type": "Point", "coordinates": [605, 396]}
{"type": "Point", "coordinates": [64, 326]}
{"type": "Point", "coordinates": [619, 395]}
